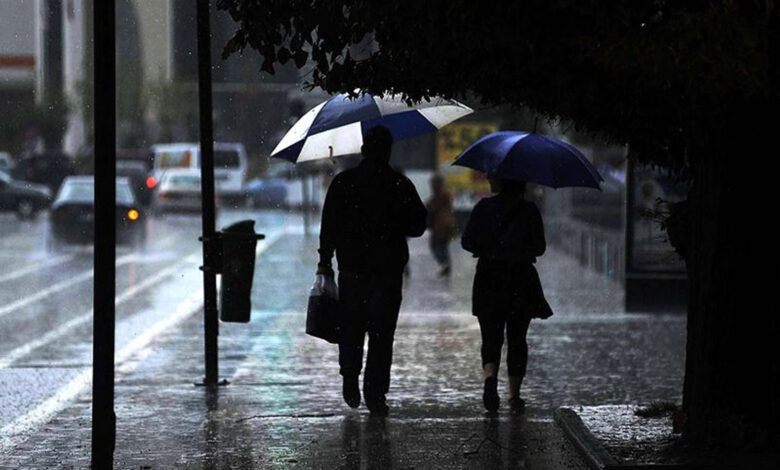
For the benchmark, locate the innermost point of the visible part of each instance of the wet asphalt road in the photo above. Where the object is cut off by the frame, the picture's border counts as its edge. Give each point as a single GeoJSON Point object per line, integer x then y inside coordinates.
{"type": "Point", "coordinates": [46, 299]}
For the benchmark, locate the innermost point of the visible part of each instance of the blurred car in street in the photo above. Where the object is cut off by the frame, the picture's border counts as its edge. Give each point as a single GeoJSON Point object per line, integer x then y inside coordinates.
{"type": "Point", "coordinates": [140, 179]}
{"type": "Point", "coordinates": [6, 162]}
{"type": "Point", "coordinates": [230, 165]}
{"type": "Point", "coordinates": [178, 190]}
{"type": "Point", "coordinates": [72, 215]}
{"type": "Point", "coordinates": [267, 192]}
{"type": "Point", "coordinates": [22, 197]}
{"type": "Point", "coordinates": [47, 168]}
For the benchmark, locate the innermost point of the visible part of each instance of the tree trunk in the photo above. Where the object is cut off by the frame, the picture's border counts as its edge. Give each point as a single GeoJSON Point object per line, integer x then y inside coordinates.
{"type": "Point", "coordinates": [731, 391]}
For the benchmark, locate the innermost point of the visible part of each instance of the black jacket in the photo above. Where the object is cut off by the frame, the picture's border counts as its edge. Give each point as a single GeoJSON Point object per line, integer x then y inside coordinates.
{"type": "Point", "coordinates": [368, 213]}
{"type": "Point", "coordinates": [507, 235]}
{"type": "Point", "coordinates": [505, 228]}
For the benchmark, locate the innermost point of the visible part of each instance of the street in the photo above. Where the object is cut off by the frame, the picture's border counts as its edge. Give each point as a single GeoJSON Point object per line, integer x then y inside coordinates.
{"type": "Point", "coordinates": [282, 381]}
{"type": "Point", "coordinates": [46, 314]}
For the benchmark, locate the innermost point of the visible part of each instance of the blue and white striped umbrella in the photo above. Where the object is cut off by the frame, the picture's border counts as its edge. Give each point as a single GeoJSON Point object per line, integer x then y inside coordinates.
{"type": "Point", "coordinates": [336, 127]}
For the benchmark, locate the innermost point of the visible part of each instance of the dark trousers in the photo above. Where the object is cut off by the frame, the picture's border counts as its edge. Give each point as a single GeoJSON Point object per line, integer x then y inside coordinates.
{"type": "Point", "coordinates": [369, 304]}
{"type": "Point", "coordinates": [492, 328]}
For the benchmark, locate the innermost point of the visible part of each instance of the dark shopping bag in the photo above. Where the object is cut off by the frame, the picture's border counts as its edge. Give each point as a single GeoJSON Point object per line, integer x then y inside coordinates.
{"type": "Point", "coordinates": [322, 315]}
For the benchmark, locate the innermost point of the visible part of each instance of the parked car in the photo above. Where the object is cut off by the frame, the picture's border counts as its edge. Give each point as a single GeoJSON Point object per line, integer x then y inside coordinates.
{"type": "Point", "coordinates": [267, 192]}
{"type": "Point", "coordinates": [22, 197]}
{"type": "Point", "coordinates": [139, 175]}
{"type": "Point", "coordinates": [48, 168]}
{"type": "Point", "coordinates": [72, 217]}
{"type": "Point", "coordinates": [178, 190]}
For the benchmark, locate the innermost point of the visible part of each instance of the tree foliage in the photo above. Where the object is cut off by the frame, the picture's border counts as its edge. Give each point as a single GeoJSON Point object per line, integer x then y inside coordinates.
{"type": "Point", "coordinates": [656, 74]}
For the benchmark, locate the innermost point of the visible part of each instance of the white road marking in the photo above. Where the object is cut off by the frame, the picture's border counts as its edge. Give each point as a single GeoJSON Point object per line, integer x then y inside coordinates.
{"type": "Point", "coordinates": [36, 266]}
{"type": "Point", "coordinates": [21, 351]}
{"type": "Point", "coordinates": [63, 329]}
{"type": "Point", "coordinates": [83, 276]}
{"type": "Point", "coordinates": [42, 294]}
{"type": "Point", "coordinates": [62, 285]}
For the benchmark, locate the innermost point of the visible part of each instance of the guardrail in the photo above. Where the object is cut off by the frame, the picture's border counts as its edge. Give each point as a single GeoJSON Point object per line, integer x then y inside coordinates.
{"type": "Point", "coordinates": [602, 250]}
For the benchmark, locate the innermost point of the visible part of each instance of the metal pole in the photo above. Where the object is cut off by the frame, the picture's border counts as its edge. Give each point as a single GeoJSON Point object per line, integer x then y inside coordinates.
{"type": "Point", "coordinates": [103, 417]}
{"type": "Point", "coordinates": [210, 314]}
{"type": "Point", "coordinates": [629, 214]}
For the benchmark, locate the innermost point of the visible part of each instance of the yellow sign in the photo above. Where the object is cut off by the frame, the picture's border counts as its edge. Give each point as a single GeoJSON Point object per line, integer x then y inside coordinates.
{"type": "Point", "coordinates": [452, 139]}
{"type": "Point", "coordinates": [468, 185]}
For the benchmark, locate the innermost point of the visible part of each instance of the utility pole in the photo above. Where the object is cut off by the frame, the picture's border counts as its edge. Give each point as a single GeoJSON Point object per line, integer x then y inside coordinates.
{"type": "Point", "coordinates": [209, 238]}
{"type": "Point", "coordinates": [104, 293]}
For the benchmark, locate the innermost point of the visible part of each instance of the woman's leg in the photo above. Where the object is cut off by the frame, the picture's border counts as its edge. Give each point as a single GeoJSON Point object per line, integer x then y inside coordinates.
{"type": "Point", "coordinates": [435, 250]}
{"type": "Point", "coordinates": [517, 352]}
{"type": "Point", "coordinates": [441, 253]}
{"type": "Point", "coordinates": [492, 340]}
{"type": "Point", "coordinates": [445, 258]}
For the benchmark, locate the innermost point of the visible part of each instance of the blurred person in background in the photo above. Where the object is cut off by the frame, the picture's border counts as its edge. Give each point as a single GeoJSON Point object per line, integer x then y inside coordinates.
{"type": "Point", "coordinates": [441, 222]}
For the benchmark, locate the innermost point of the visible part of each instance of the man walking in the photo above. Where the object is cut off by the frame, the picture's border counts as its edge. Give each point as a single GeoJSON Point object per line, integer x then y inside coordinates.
{"type": "Point", "coordinates": [368, 213]}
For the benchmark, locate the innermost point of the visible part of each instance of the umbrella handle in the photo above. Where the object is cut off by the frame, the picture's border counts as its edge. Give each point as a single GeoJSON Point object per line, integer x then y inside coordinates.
{"type": "Point", "coordinates": [330, 149]}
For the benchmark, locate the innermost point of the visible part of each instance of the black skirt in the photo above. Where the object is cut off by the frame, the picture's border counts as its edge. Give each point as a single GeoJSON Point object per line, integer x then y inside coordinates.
{"type": "Point", "coordinates": [503, 289]}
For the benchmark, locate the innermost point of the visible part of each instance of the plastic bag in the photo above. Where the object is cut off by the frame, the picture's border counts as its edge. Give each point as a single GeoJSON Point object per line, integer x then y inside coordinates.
{"type": "Point", "coordinates": [322, 314]}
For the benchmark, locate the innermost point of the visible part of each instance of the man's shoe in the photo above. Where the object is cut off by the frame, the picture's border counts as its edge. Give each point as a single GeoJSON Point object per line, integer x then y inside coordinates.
{"type": "Point", "coordinates": [377, 406]}
{"type": "Point", "coordinates": [517, 405]}
{"type": "Point", "coordinates": [490, 394]}
{"type": "Point", "coordinates": [351, 391]}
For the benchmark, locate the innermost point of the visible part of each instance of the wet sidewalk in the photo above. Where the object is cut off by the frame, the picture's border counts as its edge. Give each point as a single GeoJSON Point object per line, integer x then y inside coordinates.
{"type": "Point", "coordinates": [283, 407]}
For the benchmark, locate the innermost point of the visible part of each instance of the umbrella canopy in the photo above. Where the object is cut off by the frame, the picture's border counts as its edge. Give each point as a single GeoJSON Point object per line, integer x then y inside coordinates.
{"type": "Point", "coordinates": [336, 127]}
{"type": "Point", "coordinates": [530, 157]}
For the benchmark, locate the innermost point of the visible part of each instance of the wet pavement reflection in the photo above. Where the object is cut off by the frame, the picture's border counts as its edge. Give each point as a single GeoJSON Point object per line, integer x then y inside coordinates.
{"type": "Point", "coordinates": [283, 407]}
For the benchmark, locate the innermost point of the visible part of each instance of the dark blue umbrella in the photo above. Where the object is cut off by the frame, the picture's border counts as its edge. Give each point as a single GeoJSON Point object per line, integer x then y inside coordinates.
{"type": "Point", "coordinates": [531, 157]}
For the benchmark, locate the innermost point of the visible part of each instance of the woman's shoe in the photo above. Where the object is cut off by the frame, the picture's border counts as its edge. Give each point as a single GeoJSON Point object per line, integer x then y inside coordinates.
{"type": "Point", "coordinates": [490, 395]}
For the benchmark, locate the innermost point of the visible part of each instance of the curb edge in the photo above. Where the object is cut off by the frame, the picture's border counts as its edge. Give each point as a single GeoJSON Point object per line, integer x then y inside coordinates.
{"type": "Point", "coordinates": [594, 453]}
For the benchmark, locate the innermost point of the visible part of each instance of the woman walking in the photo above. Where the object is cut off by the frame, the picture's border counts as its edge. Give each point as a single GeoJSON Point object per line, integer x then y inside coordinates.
{"type": "Point", "coordinates": [506, 233]}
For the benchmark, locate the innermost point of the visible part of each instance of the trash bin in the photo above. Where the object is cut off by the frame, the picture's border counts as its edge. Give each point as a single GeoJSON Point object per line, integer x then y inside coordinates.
{"type": "Point", "coordinates": [237, 242]}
